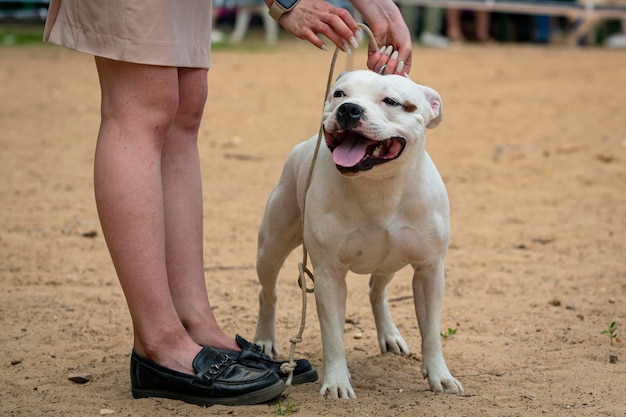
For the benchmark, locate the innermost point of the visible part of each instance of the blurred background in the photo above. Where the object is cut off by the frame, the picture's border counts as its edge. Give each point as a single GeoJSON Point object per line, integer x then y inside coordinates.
{"type": "Point", "coordinates": [433, 23]}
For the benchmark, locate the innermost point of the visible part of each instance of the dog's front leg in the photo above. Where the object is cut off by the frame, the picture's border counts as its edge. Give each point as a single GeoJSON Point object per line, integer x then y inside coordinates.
{"type": "Point", "coordinates": [428, 288]}
{"type": "Point", "coordinates": [330, 298]}
{"type": "Point", "coordinates": [271, 255]}
{"type": "Point", "coordinates": [265, 334]}
{"type": "Point", "coordinates": [278, 235]}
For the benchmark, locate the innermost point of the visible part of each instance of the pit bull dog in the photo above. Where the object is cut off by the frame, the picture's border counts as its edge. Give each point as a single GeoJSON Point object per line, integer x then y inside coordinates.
{"type": "Point", "coordinates": [376, 204]}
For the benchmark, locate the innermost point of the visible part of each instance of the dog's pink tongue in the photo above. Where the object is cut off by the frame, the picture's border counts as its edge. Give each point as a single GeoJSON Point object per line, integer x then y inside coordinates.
{"type": "Point", "coordinates": [350, 152]}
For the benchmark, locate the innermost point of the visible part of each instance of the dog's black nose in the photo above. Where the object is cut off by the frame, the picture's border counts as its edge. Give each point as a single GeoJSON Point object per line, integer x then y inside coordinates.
{"type": "Point", "coordinates": [349, 115]}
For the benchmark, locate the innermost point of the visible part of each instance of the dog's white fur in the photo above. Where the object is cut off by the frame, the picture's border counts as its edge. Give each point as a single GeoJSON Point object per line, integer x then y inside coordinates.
{"type": "Point", "coordinates": [374, 222]}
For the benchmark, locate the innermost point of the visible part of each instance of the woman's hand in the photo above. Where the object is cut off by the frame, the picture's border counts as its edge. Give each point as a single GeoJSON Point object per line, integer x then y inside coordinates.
{"type": "Point", "coordinates": [310, 19]}
{"type": "Point", "coordinates": [391, 33]}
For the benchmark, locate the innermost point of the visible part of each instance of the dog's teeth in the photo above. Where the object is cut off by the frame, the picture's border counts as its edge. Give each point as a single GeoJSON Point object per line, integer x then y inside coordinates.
{"type": "Point", "coordinates": [377, 150]}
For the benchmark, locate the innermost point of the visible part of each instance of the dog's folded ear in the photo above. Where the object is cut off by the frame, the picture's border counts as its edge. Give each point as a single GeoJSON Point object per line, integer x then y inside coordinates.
{"type": "Point", "coordinates": [434, 100]}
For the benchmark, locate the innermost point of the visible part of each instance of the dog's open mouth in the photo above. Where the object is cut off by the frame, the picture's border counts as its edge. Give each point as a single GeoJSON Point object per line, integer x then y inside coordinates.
{"type": "Point", "coordinates": [353, 152]}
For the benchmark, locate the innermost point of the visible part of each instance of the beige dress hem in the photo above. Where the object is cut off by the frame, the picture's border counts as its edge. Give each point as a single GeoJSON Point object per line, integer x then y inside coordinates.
{"type": "Point", "coordinates": [173, 33]}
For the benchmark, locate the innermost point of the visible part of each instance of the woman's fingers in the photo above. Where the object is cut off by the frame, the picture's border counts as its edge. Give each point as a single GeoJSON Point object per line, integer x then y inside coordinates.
{"type": "Point", "coordinates": [312, 19]}
{"type": "Point", "coordinates": [386, 61]}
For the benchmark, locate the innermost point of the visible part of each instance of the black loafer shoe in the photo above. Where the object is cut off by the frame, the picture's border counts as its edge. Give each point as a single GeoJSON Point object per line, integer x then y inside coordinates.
{"type": "Point", "coordinates": [219, 380]}
{"type": "Point", "coordinates": [252, 356]}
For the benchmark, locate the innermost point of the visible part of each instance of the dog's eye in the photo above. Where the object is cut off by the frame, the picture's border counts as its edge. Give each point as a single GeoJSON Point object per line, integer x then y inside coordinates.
{"type": "Point", "coordinates": [390, 102]}
{"type": "Point", "coordinates": [339, 94]}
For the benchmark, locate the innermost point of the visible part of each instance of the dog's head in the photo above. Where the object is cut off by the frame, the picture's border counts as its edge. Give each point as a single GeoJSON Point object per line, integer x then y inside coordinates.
{"type": "Point", "coordinates": [370, 119]}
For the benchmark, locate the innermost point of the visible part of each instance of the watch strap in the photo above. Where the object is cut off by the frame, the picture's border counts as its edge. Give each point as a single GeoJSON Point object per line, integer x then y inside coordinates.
{"type": "Point", "coordinates": [277, 9]}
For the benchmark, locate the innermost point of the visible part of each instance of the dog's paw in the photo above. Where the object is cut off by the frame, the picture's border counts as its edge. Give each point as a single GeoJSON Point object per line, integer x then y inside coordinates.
{"type": "Point", "coordinates": [270, 347]}
{"type": "Point", "coordinates": [393, 342]}
{"type": "Point", "coordinates": [442, 381]}
{"type": "Point", "coordinates": [334, 391]}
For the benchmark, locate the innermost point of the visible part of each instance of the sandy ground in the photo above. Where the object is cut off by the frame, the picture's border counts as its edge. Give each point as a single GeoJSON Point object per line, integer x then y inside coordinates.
{"type": "Point", "coordinates": [533, 153]}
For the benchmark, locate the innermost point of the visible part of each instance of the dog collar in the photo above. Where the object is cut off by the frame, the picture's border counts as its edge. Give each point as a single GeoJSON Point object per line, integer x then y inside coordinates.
{"type": "Point", "coordinates": [280, 7]}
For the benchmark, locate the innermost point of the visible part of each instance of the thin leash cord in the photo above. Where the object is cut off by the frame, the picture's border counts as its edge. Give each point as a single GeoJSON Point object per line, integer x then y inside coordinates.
{"type": "Point", "coordinates": [303, 270]}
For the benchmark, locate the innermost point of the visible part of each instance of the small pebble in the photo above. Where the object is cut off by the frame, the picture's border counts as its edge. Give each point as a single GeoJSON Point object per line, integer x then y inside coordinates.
{"type": "Point", "coordinates": [358, 335]}
{"type": "Point", "coordinates": [90, 234]}
{"type": "Point", "coordinates": [612, 357]}
{"type": "Point", "coordinates": [80, 377]}
{"type": "Point", "coordinates": [106, 411]}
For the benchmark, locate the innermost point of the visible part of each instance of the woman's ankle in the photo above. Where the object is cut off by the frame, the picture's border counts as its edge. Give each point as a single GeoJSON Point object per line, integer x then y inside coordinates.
{"type": "Point", "coordinates": [205, 331]}
{"type": "Point", "coordinates": [176, 353]}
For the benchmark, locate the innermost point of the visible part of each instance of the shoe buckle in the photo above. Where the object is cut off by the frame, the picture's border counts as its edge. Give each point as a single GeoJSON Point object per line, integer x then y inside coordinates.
{"type": "Point", "coordinates": [215, 368]}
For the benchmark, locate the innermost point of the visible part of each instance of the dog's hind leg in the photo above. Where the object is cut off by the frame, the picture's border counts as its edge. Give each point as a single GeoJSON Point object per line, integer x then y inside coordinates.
{"type": "Point", "coordinates": [389, 337]}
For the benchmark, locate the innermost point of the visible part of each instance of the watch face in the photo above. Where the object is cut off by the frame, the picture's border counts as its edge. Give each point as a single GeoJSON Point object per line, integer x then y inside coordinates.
{"type": "Point", "coordinates": [287, 4]}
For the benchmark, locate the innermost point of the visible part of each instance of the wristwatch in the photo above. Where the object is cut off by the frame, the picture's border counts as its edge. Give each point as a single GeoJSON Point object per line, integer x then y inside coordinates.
{"type": "Point", "coordinates": [280, 7]}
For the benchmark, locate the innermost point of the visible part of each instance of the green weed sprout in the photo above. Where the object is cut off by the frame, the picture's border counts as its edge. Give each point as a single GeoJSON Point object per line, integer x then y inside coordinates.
{"type": "Point", "coordinates": [611, 332]}
{"type": "Point", "coordinates": [449, 333]}
{"type": "Point", "coordinates": [287, 410]}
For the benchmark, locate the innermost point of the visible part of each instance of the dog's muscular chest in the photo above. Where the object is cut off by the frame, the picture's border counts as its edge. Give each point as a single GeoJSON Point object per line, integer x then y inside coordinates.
{"type": "Point", "coordinates": [371, 247]}
{"type": "Point", "coordinates": [377, 249]}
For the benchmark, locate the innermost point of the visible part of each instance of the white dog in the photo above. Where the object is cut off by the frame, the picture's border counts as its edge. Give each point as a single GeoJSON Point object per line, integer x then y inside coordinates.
{"type": "Point", "coordinates": [376, 203]}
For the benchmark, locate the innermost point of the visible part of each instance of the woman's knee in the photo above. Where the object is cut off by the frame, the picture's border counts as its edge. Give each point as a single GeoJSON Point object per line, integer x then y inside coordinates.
{"type": "Point", "coordinates": [192, 98]}
{"type": "Point", "coordinates": [141, 95]}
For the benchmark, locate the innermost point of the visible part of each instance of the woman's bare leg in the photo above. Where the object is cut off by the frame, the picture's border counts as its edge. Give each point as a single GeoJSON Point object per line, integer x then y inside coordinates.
{"type": "Point", "coordinates": [139, 103]}
{"type": "Point", "coordinates": [182, 193]}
